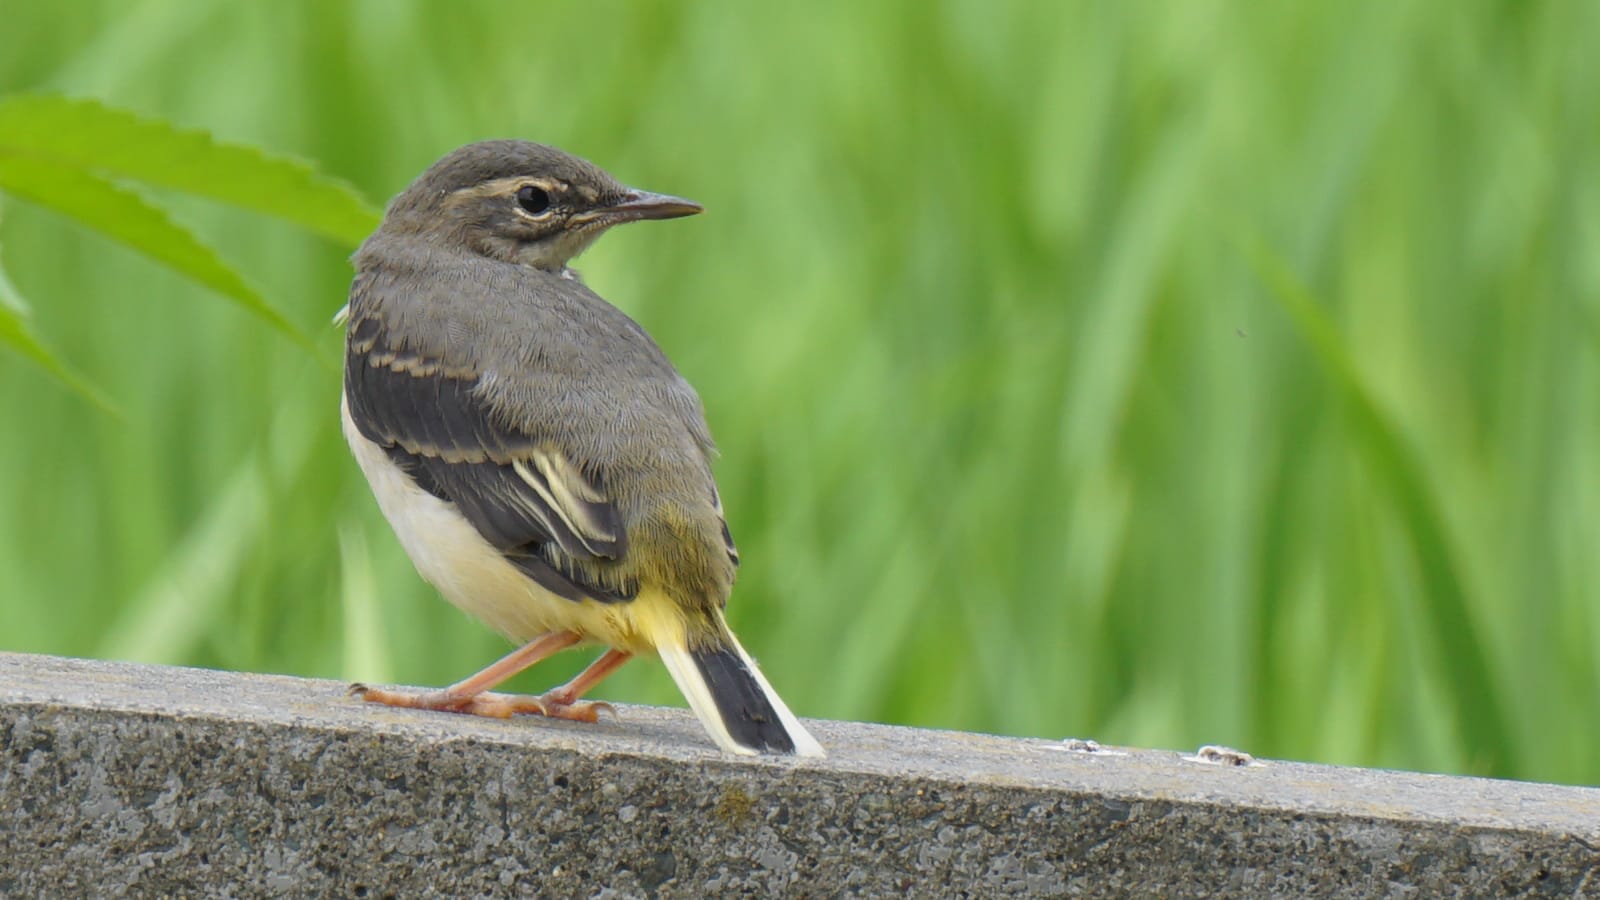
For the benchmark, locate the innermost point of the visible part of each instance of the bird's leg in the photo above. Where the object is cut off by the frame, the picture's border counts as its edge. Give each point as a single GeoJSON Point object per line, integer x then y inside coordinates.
{"type": "Point", "coordinates": [562, 702]}
{"type": "Point", "coordinates": [472, 696]}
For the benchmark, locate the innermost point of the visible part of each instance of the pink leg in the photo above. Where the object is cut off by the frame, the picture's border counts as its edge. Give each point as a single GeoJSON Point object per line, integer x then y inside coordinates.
{"type": "Point", "coordinates": [562, 702]}
{"type": "Point", "coordinates": [470, 696]}
{"type": "Point", "coordinates": [569, 693]}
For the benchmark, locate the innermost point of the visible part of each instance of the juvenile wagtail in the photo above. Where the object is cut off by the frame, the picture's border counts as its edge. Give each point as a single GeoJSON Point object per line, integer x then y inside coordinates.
{"type": "Point", "coordinates": [539, 458]}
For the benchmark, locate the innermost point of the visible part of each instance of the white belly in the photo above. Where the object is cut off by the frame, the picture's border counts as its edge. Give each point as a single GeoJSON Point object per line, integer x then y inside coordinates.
{"type": "Point", "coordinates": [452, 556]}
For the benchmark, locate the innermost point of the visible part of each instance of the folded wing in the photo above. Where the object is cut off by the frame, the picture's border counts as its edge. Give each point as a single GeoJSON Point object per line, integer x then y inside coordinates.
{"type": "Point", "coordinates": [527, 498]}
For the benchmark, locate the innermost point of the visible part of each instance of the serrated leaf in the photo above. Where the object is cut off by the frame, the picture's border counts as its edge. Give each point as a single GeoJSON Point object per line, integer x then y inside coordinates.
{"type": "Point", "coordinates": [16, 333]}
{"type": "Point", "coordinates": [85, 134]}
{"type": "Point", "coordinates": [129, 219]}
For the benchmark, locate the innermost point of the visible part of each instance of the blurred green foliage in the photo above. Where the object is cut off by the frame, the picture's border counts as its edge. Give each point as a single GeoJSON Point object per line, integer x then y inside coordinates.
{"type": "Point", "coordinates": [1163, 373]}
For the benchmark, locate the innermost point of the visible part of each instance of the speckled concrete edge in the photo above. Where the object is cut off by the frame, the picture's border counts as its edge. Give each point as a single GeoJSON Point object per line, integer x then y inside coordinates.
{"type": "Point", "coordinates": [1261, 825]}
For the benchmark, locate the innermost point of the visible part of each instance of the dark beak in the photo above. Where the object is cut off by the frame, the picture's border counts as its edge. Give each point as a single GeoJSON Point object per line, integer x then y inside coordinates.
{"type": "Point", "coordinates": [636, 205]}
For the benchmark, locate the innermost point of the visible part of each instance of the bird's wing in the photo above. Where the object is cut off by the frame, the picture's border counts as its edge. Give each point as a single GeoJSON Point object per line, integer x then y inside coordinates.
{"type": "Point", "coordinates": [727, 536]}
{"type": "Point", "coordinates": [528, 500]}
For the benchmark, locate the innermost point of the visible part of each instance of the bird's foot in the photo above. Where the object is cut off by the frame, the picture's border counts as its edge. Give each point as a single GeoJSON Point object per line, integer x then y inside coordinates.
{"type": "Point", "coordinates": [552, 705]}
{"type": "Point", "coordinates": [504, 706]}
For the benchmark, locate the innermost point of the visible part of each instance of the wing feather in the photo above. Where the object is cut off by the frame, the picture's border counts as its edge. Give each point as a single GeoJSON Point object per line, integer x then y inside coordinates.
{"type": "Point", "coordinates": [529, 501]}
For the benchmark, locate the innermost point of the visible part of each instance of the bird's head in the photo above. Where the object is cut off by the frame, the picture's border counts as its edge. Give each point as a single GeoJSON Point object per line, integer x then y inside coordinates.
{"type": "Point", "coordinates": [521, 202]}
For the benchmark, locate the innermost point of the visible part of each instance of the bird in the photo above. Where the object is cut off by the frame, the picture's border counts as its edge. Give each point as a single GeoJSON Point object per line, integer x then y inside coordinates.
{"type": "Point", "coordinates": [539, 458]}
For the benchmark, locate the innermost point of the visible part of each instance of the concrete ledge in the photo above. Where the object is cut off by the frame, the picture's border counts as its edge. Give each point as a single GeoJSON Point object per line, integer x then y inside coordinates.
{"type": "Point", "coordinates": [122, 778]}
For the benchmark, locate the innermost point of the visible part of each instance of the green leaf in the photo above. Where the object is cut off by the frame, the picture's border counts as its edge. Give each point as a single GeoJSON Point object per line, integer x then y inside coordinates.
{"type": "Point", "coordinates": [365, 657]}
{"type": "Point", "coordinates": [85, 134]}
{"type": "Point", "coordinates": [1475, 702]}
{"type": "Point", "coordinates": [128, 218]}
{"type": "Point", "coordinates": [169, 616]}
{"type": "Point", "coordinates": [16, 333]}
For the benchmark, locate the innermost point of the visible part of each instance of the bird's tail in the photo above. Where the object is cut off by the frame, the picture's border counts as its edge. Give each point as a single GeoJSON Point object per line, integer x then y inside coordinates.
{"type": "Point", "coordinates": [732, 699]}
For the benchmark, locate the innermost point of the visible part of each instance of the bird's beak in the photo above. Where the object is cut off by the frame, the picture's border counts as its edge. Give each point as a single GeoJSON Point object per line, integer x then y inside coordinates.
{"type": "Point", "coordinates": [636, 205]}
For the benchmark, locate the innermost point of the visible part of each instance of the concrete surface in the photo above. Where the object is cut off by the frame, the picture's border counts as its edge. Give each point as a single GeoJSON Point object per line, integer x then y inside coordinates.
{"type": "Point", "coordinates": [142, 780]}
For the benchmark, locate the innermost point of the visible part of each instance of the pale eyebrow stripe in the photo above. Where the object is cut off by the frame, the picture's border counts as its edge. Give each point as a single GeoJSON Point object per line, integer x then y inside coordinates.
{"type": "Point", "coordinates": [510, 184]}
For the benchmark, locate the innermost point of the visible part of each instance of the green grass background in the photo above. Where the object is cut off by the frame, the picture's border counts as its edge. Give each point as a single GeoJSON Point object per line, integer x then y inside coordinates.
{"type": "Point", "coordinates": [1163, 373]}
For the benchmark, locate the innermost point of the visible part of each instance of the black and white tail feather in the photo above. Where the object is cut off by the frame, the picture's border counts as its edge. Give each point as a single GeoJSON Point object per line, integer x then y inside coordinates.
{"type": "Point", "coordinates": [733, 700]}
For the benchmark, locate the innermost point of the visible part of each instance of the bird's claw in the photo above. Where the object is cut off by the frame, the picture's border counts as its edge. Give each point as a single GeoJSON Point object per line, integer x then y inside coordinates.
{"type": "Point", "coordinates": [504, 706]}
{"type": "Point", "coordinates": [488, 704]}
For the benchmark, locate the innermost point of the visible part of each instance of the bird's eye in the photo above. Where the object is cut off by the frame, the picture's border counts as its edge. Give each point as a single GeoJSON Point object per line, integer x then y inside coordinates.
{"type": "Point", "coordinates": [533, 199]}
